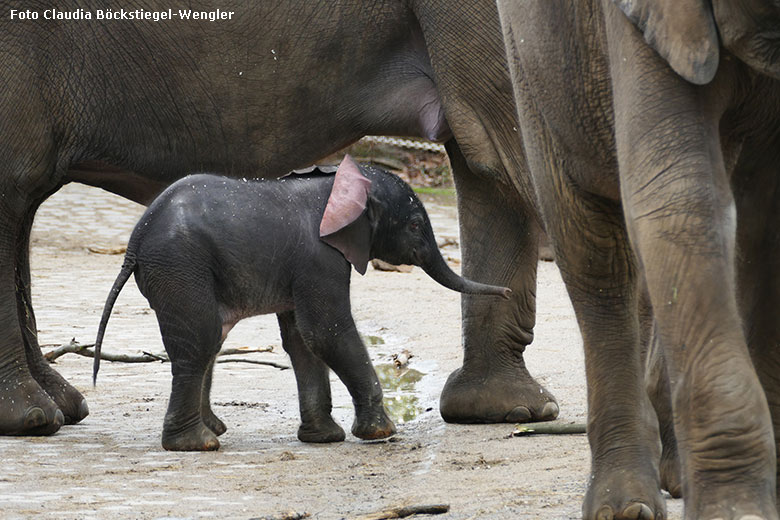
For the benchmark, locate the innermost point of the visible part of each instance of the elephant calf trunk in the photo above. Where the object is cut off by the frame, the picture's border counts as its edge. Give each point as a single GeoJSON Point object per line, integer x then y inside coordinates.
{"type": "Point", "coordinates": [438, 269]}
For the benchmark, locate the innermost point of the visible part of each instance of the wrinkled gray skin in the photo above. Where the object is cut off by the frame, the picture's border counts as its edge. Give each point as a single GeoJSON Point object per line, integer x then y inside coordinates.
{"type": "Point", "coordinates": [211, 251]}
{"type": "Point", "coordinates": [131, 107]}
{"type": "Point", "coordinates": [651, 135]}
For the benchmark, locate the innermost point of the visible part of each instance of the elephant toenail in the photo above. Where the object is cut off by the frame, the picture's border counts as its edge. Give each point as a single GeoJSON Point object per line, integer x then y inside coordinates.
{"type": "Point", "coordinates": [638, 511]}
{"type": "Point", "coordinates": [549, 412]}
{"type": "Point", "coordinates": [59, 418]}
{"type": "Point", "coordinates": [34, 417]}
{"type": "Point", "coordinates": [519, 414]}
{"type": "Point", "coordinates": [83, 409]}
{"type": "Point", "coordinates": [605, 513]}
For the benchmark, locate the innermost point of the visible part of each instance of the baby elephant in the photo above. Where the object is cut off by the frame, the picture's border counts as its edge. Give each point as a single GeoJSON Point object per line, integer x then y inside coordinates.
{"type": "Point", "coordinates": [211, 250]}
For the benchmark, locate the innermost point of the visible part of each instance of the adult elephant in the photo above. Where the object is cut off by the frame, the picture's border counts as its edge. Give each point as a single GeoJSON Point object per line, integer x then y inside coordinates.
{"type": "Point", "coordinates": [130, 106]}
{"type": "Point", "coordinates": [651, 134]}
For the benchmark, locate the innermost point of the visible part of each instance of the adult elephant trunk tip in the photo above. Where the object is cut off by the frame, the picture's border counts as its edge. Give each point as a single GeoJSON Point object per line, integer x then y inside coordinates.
{"type": "Point", "coordinates": [438, 269]}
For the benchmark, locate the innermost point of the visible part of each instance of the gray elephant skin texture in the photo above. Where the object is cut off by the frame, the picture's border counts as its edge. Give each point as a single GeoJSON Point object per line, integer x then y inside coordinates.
{"type": "Point", "coordinates": [132, 107]}
{"type": "Point", "coordinates": [650, 132]}
{"type": "Point", "coordinates": [211, 250]}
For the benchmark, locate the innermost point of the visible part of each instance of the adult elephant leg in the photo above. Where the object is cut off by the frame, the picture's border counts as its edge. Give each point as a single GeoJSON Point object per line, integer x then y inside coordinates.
{"type": "Point", "coordinates": [757, 194]}
{"type": "Point", "coordinates": [494, 384]}
{"type": "Point", "coordinates": [69, 400]}
{"type": "Point", "coordinates": [681, 216]}
{"type": "Point", "coordinates": [25, 407]}
{"type": "Point", "coordinates": [600, 272]}
{"type": "Point", "coordinates": [659, 391]}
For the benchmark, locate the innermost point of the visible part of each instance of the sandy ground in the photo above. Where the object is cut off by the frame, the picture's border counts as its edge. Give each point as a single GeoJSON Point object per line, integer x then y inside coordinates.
{"type": "Point", "coordinates": [112, 465]}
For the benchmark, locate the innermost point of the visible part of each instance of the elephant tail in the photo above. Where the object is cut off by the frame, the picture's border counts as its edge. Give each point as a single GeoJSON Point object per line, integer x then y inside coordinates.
{"type": "Point", "coordinates": [124, 274]}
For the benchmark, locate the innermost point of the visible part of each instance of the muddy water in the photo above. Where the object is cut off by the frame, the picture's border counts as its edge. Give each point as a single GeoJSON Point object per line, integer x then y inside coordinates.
{"type": "Point", "coordinates": [400, 386]}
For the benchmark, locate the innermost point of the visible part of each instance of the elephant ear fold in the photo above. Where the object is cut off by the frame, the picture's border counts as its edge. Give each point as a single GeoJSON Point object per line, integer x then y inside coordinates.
{"type": "Point", "coordinates": [683, 32]}
{"type": "Point", "coordinates": [344, 224]}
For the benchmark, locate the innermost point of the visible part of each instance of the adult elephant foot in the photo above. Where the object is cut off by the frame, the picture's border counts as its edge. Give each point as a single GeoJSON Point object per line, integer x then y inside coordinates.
{"type": "Point", "coordinates": [25, 409]}
{"type": "Point", "coordinates": [490, 396]}
{"type": "Point", "coordinates": [603, 500]}
{"type": "Point", "coordinates": [71, 403]}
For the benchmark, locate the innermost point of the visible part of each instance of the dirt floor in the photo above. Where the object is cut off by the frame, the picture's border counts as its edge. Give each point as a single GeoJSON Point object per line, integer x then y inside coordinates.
{"type": "Point", "coordinates": [112, 465]}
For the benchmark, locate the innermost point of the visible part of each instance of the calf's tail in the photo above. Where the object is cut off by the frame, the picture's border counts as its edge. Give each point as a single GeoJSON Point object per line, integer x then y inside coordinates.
{"type": "Point", "coordinates": [124, 274]}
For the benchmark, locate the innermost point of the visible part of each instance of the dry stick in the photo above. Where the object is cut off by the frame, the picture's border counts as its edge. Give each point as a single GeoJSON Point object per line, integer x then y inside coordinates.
{"type": "Point", "coordinates": [548, 428]}
{"type": "Point", "coordinates": [403, 512]}
{"type": "Point", "coordinates": [147, 357]}
{"type": "Point", "coordinates": [254, 362]}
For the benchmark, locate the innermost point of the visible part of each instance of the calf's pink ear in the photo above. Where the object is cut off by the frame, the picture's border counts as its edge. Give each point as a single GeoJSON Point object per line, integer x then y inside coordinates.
{"type": "Point", "coordinates": [342, 226]}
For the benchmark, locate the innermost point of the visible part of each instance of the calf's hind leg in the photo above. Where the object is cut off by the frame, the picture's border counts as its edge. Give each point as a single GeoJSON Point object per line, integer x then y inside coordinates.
{"type": "Point", "coordinates": [191, 331]}
{"type": "Point", "coordinates": [311, 375]}
{"type": "Point", "coordinates": [213, 422]}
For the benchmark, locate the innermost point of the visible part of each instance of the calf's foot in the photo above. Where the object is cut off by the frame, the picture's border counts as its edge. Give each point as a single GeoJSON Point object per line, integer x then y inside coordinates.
{"type": "Point", "coordinates": [373, 424]}
{"type": "Point", "coordinates": [195, 437]}
{"type": "Point", "coordinates": [214, 423]}
{"type": "Point", "coordinates": [321, 431]}
{"type": "Point", "coordinates": [25, 409]}
{"type": "Point", "coordinates": [495, 396]}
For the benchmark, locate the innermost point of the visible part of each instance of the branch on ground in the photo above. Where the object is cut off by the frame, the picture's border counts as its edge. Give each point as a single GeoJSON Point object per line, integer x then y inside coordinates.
{"type": "Point", "coordinates": [547, 428]}
{"type": "Point", "coordinates": [147, 357]}
{"type": "Point", "coordinates": [405, 511]}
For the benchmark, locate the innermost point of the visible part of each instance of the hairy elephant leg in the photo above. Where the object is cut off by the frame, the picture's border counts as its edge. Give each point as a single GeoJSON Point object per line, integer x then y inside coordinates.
{"type": "Point", "coordinates": [210, 419]}
{"type": "Point", "coordinates": [324, 321]}
{"type": "Point", "coordinates": [311, 376]}
{"type": "Point", "coordinates": [681, 217]}
{"type": "Point", "coordinates": [191, 331]}
{"type": "Point", "coordinates": [494, 384]}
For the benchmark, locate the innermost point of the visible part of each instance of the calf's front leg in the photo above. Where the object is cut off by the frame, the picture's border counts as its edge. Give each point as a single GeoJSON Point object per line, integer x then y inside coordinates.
{"type": "Point", "coordinates": [326, 326]}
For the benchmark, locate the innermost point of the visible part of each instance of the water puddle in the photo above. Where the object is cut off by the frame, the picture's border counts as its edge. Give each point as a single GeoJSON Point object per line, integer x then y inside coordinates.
{"type": "Point", "coordinates": [373, 341]}
{"type": "Point", "coordinates": [402, 399]}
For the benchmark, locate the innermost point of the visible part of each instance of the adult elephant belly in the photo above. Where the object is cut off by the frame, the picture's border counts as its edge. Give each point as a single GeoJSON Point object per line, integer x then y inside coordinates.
{"type": "Point", "coordinates": [242, 102]}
